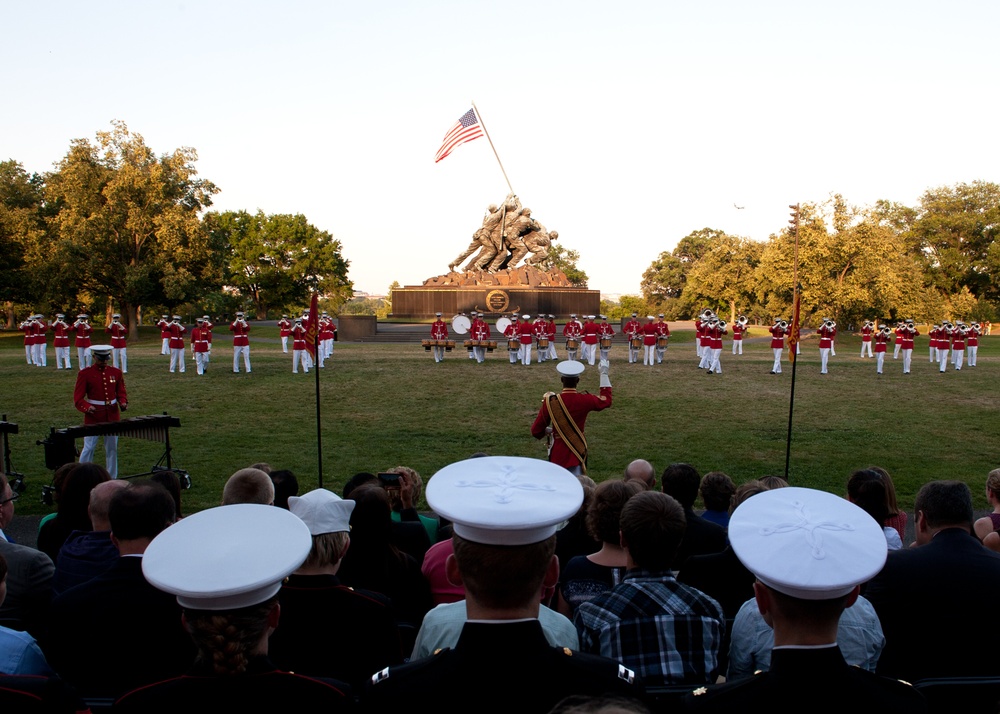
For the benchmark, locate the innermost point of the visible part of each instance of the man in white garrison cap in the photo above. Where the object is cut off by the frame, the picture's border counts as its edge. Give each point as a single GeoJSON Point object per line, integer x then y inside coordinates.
{"type": "Point", "coordinates": [811, 551]}
{"type": "Point", "coordinates": [505, 511]}
{"type": "Point", "coordinates": [563, 416]}
{"type": "Point", "coordinates": [225, 565]}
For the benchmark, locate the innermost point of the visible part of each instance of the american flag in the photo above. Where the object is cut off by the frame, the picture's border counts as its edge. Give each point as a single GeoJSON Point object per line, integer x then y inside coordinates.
{"type": "Point", "coordinates": [466, 129]}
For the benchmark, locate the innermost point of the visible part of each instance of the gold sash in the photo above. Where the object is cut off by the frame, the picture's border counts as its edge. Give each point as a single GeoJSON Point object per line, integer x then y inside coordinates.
{"type": "Point", "coordinates": [566, 428]}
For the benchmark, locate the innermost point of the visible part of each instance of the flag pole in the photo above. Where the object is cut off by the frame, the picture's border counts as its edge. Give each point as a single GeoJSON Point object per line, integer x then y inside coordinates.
{"type": "Point", "coordinates": [480, 117]}
{"type": "Point", "coordinates": [795, 334]}
{"type": "Point", "coordinates": [312, 339]}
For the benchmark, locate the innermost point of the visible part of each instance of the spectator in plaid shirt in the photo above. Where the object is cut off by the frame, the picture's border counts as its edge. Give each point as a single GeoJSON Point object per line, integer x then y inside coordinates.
{"type": "Point", "coordinates": [667, 632]}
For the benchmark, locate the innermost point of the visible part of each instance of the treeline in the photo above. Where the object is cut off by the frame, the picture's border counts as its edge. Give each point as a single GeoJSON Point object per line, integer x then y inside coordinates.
{"type": "Point", "coordinates": [115, 225]}
{"type": "Point", "coordinates": [937, 260]}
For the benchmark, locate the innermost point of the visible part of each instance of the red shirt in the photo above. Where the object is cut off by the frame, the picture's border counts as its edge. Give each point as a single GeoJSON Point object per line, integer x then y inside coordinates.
{"type": "Point", "coordinates": [579, 405]}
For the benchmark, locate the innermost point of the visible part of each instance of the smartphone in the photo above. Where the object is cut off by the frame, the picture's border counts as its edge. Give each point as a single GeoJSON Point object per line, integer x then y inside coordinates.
{"type": "Point", "coordinates": [390, 482]}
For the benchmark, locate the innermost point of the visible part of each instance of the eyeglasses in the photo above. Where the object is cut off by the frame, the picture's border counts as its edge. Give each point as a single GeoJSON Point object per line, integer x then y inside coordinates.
{"type": "Point", "coordinates": [13, 497]}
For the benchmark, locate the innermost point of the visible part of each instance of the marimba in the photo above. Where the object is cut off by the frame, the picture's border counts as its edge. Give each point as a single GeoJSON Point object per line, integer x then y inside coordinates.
{"type": "Point", "coordinates": [60, 446]}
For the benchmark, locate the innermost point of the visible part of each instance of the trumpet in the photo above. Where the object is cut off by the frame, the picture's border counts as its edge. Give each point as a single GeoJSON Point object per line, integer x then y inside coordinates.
{"type": "Point", "coordinates": [742, 321]}
{"type": "Point", "coordinates": [783, 324]}
{"type": "Point", "coordinates": [885, 330]}
{"type": "Point", "coordinates": [722, 326]}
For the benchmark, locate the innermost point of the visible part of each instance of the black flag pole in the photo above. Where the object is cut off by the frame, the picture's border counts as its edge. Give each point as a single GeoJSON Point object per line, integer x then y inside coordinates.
{"type": "Point", "coordinates": [312, 340]}
{"type": "Point", "coordinates": [795, 335]}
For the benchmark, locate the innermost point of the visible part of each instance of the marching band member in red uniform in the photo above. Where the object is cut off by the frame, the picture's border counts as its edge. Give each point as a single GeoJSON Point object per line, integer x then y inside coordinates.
{"type": "Point", "coordinates": [648, 341]}
{"type": "Point", "coordinates": [662, 330]}
{"type": "Point", "coordinates": [739, 329]}
{"type": "Point", "coordinates": [606, 333]}
{"type": "Point", "coordinates": [944, 339]}
{"type": "Point", "coordinates": [866, 337]}
{"type": "Point", "coordinates": [39, 340]}
{"type": "Point", "coordinates": [589, 340]}
{"type": "Point", "coordinates": [299, 354]}
{"type": "Point", "coordinates": [285, 330]}
{"type": "Point", "coordinates": [241, 343]}
{"type": "Point", "coordinates": [825, 340]}
{"type": "Point", "coordinates": [550, 331]}
{"type": "Point", "coordinates": [60, 340]}
{"type": "Point", "coordinates": [881, 344]}
{"type": "Point", "coordinates": [541, 331]}
{"type": "Point", "coordinates": [199, 343]}
{"type": "Point", "coordinates": [573, 330]}
{"type": "Point", "coordinates": [164, 324]}
{"type": "Point", "coordinates": [25, 327]}
{"type": "Point", "coordinates": [439, 331]}
{"type": "Point", "coordinates": [119, 353]}
{"type": "Point", "coordinates": [958, 344]}
{"type": "Point", "coordinates": [715, 332]}
{"type": "Point", "coordinates": [898, 341]}
{"type": "Point", "coordinates": [699, 339]}
{"type": "Point", "coordinates": [513, 338]}
{"type": "Point", "coordinates": [932, 344]}
{"type": "Point", "coordinates": [632, 329]}
{"type": "Point", "coordinates": [975, 330]}
{"type": "Point", "coordinates": [909, 332]}
{"type": "Point", "coordinates": [778, 331]}
{"type": "Point", "coordinates": [82, 329]}
{"type": "Point", "coordinates": [526, 332]}
{"type": "Point", "coordinates": [569, 445]}
{"type": "Point", "coordinates": [480, 330]}
{"type": "Point", "coordinates": [100, 395]}
{"type": "Point", "coordinates": [177, 331]}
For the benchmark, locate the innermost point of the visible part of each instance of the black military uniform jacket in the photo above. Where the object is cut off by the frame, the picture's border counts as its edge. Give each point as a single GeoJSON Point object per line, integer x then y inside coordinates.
{"type": "Point", "coordinates": [499, 667]}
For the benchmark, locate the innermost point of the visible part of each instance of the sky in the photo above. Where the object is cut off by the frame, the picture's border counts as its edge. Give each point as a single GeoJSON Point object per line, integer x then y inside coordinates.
{"type": "Point", "coordinates": [624, 126]}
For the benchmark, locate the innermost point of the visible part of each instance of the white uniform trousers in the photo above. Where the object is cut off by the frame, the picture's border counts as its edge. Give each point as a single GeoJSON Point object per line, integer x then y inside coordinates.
{"type": "Point", "coordinates": [200, 361]}
{"type": "Point", "coordinates": [525, 354]}
{"type": "Point", "coordinates": [879, 361]}
{"type": "Point", "coordinates": [907, 358]}
{"type": "Point", "coordinates": [866, 346]}
{"type": "Point", "coordinates": [737, 347]}
{"type": "Point", "coordinates": [110, 452]}
{"type": "Point", "coordinates": [84, 357]}
{"type": "Point", "coordinates": [973, 352]}
{"type": "Point", "coordinates": [300, 356]}
{"type": "Point", "coordinates": [824, 357]}
{"type": "Point", "coordinates": [943, 359]}
{"type": "Point", "coordinates": [165, 348]}
{"type": "Point", "coordinates": [62, 358]}
{"type": "Point", "coordinates": [241, 350]}
{"type": "Point", "coordinates": [176, 358]}
{"type": "Point", "coordinates": [716, 365]}
{"type": "Point", "coordinates": [776, 367]}
{"type": "Point", "coordinates": [119, 359]}
{"type": "Point", "coordinates": [648, 354]}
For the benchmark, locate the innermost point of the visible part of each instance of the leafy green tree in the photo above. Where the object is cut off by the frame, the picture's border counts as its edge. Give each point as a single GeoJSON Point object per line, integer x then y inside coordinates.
{"type": "Point", "coordinates": [725, 275]}
{"type": "Point", "coordinates": [564, 259]}
{"type": "Point", "coordinates": [128, 223]}
{"type": "Point", "coordinates": [664, 280]}
{"type": "Point", "coordinates": [22, 233]}
{"type": "Point", "coordinates": [276, 261]}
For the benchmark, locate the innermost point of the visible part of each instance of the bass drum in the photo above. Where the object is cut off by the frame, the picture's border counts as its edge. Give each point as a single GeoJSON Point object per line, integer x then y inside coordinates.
{"type": "Point", "coordinates": [502, 324]}
{"type": "Point", "coordinates": [461, 324]}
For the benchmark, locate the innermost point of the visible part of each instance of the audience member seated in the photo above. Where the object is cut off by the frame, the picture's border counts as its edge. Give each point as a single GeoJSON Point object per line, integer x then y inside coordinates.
{"type": "Point", "coordinates": [225, 567]}
{"type": "Point", "coordinates": [722, 576]}
{"type": "Point", "coordinates": [29, 576]}
{"type": "Point", "coordinates": [435, 571]}
{"type": "Point", "coordinates": [990, 523]}
{"type": "Point", "coordinates": [504, 555]}
{"type": "Point", "coordinates": [717, 491]}
{"type": "Point", "coordinates": [170, 481]}
{"type": "Point", "coordinates": [932, 599]}
{"type": "Point", "coordinates": [317, 612]}
{"type": "Point", "coordinates": [285, 486]}
{"type": "Point", "coordinates": [442, 627]}
{"type": "Point", "coordinates": [58, 483]}
{"type": "Point", "coordinates": [573, 539]}
{"type": "Point", "coordinates": [866, 490]}
{"type": "Point", "coordinates": [250, 485]}
{"type": "Point", "coordinates": [859, 637]}
{"type": "Point", "coordinates": [681, 481]}
{"type": "Point", "coordinates": [73, 504]}
{"type": "Point", "coordinates": [374, 563]}
{"type": "Point", "coordinates": [87, 554]}
{"type": "Point", "coordinates": [641, 471]}
{"type": "Point", "coordinates": [116, 630]}
{"type": "Point", "coordinates": [19, 653]}
{"type": "Point", "coordinates": [667, 632]}
{"type": "Point", "coordinates": [409, 536]}
{"type": "Point", "coordinates": [587, 576]}
{"type": "Point", "coordinates": [897, 517]}
{"type": "Point", "coordinates": [827, 548]}
{"type": "Point", "coordinates": [404, 501]}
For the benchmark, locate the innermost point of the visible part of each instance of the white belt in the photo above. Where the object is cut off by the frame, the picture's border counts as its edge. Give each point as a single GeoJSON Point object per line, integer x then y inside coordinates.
{"type": "Point", "coordinates": [101, 402]}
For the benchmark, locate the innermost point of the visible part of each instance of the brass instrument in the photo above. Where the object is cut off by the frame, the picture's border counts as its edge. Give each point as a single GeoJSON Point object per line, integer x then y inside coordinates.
{"type": "Point", "coordinates": [742, 321]}
{"type": "Point", "coordinates": [783, 324]}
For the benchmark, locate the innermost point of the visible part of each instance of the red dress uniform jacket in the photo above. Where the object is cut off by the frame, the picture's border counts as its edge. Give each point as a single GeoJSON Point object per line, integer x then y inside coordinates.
{"type": "Point", "coordinates": [298, 338]}
{"type": "Point", "coordinates": [880, 341]}
{"type": "Point", "coordinates": [866, 334]}
{"type": "Point", "coordinates": [590, 333]}
{"type": "Point", "coordinates": [479, 330]}
{"type": "Point", "coordinates": [605, 330]}
{"type": "Point", "coordinates": [777, 337]}
{"type": "Point", "coordinates": [82, 334]}
{"type": "Point", "coordinates": [579, 406]}
{"type": "Point", "coordinates": [439, 330]}
{"type": "Point", "coordinates": [285, 327]}
{"type": "Point", "coordinates": [825, 336]}
{"type": "Point", "coordinates": [39, 328]}
{"type": "Point", "coordinates": [738, 331]}
{"type": "Point", "coordinates": [240, 331]}
{"type": "Point", "coordinates": [103, 385]}
{"type": "Point", "coordinates": [118, 331]}
{"type": "Point", "coordinates": [649, 333]}
{"type": "Point", "coordinates": [662, 329]}
{"type": "Point", "coordinates": [199, 339]}
{"type": "Point", "coordinates": [572, 329]}
{"type": "Point", "coordinates": [164, 326]}
{"type": "Point", "coordinates": [61, 331]}
{"type": "Point", "coordinates": [632, 328]}
{"type": "Point", "coordinates": [177, 336]}
{"type": "Point", "coordinates": [526, 330]}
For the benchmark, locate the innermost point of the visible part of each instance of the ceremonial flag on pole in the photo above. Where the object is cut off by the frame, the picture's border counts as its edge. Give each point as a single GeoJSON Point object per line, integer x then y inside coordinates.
{"type": "Point", "coordinates": [793, 336]}
{"type": "Point", "coordinates": [466, 129]}
{"type": "Point", "coordinates": [312, 329]}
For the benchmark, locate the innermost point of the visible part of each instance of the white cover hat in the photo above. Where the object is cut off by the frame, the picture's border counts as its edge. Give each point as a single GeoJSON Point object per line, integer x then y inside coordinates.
{"type": "Point", "coordinates": [322, 511]}
{"type": "Point", "coordinates": [504, 500]}
{"type": "Point", "coordinates": [570, 368]}
{"type": "Point", "coordinates": [806, 543]}
{"type": "Point", "coordinates": [227, 557]}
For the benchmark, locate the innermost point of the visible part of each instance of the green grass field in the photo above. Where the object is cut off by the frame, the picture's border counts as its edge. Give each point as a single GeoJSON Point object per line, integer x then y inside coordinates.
{"type": "Point", "coordinates": [385, 405]}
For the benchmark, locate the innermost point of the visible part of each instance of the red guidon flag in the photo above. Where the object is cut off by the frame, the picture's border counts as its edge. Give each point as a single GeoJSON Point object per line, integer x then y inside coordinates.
{"type": "Point", "coordinates": [312, 329]}
{"type": "Point", "coordinates": [793, 336]}
{"type": "Point", "coordinates": [466, 129]}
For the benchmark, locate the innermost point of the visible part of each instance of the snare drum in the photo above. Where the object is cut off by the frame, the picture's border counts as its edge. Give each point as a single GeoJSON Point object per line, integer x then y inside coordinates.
{"type": "Point", "coordinates": [605, 343]}
{"type": "Point", "coordinates": [427, 344]}
{"type": "Point", "coordinates": [636, 343]}
{"type": "Point", "coordinates": [513, 344]}
{"type": "Point", "coordinates": [572, 344]}
{"type": "Point", "coordinates": [661, 343]}
{"type": "Point", "coordinates": [468, 344]}
{"type": "Point", "coordinates": [449, 345]}
{"type": "Point", "coordinates": [543, 343]}
{"type": "Point", "coordinates": [491, 345]}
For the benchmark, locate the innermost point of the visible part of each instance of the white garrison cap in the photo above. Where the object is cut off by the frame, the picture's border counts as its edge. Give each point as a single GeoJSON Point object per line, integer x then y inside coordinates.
{"type": "Point", "coordinates": [807, 544]}
{"type": "Point", "coordinates": [570, 368]}
{"type": "Point", "coordinates": [227, 557]}
{"type": "Point", "coordinates": [322, 511]}
{"type": "Point", "coordinates": [504, 500]}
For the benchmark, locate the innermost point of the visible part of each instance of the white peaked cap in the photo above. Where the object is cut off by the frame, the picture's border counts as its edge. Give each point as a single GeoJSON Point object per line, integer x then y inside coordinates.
{"type": "Point", "coordinates": [505, 500]}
